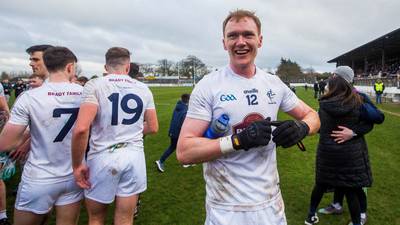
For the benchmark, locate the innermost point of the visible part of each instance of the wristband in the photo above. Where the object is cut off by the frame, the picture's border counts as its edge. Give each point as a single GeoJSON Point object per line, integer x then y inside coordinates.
{"type": "Point", "coordinates": [225, 144]}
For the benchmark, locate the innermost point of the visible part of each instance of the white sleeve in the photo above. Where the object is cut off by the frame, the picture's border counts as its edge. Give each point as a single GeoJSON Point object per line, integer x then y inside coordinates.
{"type": "Point", "coordinates": [1, 90]}
{"type": "Point", "coordinates": [89, 92]}
{"type": "Point", "coordinates": [200, 104]}
{"type": "Point", "coordinates": [20, 111]}
{"type": "Point", "coordinates": [289, 99]}
{"type": "Point", "coordinates": [150, 104]}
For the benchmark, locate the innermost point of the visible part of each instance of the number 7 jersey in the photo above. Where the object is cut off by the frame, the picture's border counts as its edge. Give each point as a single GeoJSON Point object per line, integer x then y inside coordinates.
{"type": "Point", "coordinates": [121, 103]}
{"type": "Point", "coordinates": [50, 112]}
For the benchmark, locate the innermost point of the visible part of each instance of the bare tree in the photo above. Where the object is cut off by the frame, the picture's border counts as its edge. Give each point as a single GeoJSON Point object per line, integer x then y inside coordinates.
{"type": "Point", "coordinates": [165, 67]}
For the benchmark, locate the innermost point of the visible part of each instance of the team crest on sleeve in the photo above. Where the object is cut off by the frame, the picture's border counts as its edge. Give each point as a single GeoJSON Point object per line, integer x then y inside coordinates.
{"type": "Point", "coordinates": [237, 128]}
{"type": "Point", "coordinates": [271, 96]}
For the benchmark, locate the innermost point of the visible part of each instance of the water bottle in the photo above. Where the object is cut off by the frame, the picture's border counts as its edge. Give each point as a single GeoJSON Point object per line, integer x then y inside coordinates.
{"type": "Point", "coordinates": [218, 127]}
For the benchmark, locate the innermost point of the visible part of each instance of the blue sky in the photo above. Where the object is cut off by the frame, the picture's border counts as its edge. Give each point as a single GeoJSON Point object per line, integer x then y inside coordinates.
{"type": "Point", "coordinates": [309, 32]}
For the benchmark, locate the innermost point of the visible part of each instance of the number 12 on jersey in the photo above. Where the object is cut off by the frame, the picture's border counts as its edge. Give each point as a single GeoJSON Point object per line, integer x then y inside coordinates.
{"type": "Point", "coordinates": [137, 111]}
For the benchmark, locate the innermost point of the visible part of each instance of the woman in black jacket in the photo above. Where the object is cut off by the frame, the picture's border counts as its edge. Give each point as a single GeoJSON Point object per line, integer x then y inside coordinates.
{"type": "Point", "coordinates": [345, 165]}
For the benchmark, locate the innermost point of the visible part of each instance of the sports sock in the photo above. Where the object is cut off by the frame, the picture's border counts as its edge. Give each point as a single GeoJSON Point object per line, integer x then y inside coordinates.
{"type": "Point", "coordinates": [363, 215]}
{"type": "Point", "coordinates": [3, 214]}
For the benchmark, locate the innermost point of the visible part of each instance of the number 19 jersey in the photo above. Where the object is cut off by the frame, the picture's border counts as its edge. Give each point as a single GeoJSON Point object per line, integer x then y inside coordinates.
{"type": "Point", "coordinates": [121, 102]}
{"type": "Point", "coordinates": [50, 112]}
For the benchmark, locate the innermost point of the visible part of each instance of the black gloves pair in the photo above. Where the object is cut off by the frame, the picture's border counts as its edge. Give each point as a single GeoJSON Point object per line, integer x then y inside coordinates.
{"type": "Point", "coordinates": [258, 133]}
{"type": "Point", "coordinates": [289, 133]}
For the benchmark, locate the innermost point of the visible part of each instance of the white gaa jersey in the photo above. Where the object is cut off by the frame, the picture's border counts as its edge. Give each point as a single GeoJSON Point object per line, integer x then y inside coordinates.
{"type": "Point", "coordinates": [50, 112]}
{"type": "Point", "coordinates": [243, 181]}
{"type": "Point", "coordinates": [121, 103]}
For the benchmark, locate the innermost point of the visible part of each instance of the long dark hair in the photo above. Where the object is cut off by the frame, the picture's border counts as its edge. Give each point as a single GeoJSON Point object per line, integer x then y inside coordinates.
{"type": "Point", "coordinates": [339, 88]}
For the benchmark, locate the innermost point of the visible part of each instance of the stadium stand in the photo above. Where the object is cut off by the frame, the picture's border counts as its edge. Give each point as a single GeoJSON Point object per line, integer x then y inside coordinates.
{"type": "Point", "coordinates": [377, 59]}
{"type": "Point", "coordinates": [380, 57]}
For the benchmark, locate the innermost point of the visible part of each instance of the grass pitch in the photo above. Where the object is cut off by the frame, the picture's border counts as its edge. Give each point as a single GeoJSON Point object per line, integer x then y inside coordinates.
{"type": "Point", "coordinates": [177, 196]}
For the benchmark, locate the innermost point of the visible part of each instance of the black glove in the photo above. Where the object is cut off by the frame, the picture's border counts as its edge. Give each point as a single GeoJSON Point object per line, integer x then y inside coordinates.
{"type": "Point", "coordinates": [289, 132]}
{"type": "Point", "coordinates": [258, 133]}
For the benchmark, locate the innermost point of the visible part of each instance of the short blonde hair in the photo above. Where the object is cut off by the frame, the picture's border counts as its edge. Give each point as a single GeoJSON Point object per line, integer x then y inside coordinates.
{"type": "Point", "coordinates": [239, 14]}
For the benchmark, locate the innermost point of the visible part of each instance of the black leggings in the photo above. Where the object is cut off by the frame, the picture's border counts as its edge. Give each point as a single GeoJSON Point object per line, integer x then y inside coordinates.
{"type": "Point", "coordinates": [351, 196]}
{"type": "Point", "coordinates": [362, 198]}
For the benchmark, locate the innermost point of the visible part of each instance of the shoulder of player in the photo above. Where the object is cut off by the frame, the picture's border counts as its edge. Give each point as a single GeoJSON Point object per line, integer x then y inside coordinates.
{"type": "Point", "coordinates": [77, 86]}
{"type": "Point", "coordinates": [262, 74]}
{"type": "Point", "coordinates": [139, 83]}
{"type": "Point", "coordinates": [271, 79]}
{"type": "Point", "coordinates": [92, 83]}
{"type": "Point", "coordinates": [26, 95]}
{"type": "Point", "coordinates": [210, 78]}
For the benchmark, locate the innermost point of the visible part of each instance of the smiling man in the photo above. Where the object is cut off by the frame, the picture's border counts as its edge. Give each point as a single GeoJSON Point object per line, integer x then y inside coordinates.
{"type": "Point", "coordinates": [240, 169]}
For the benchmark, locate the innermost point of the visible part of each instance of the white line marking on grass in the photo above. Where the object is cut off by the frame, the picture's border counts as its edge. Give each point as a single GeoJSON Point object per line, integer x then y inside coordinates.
{"type": "Point", "coordinates": [163, 104]}
{"type": "Point", "coordinates": [392, 113]}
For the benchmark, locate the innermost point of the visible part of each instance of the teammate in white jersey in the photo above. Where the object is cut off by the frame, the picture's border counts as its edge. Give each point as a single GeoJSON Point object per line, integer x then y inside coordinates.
{"type": "Point", "coordinates": [240, 171]}
{"type": "Point", "coordinates": [38, 70]}
{"type": "Point", "coordinates": [50, 111]}
{"type": "Point", "coordinates": [118, 110]}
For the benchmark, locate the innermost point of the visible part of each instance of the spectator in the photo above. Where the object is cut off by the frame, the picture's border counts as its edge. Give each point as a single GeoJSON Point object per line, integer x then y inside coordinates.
{"type": "Point", "coordinates": [321, 87]}
{"type": "Point", "coordinates": [379, 87]}
{"type": "Point", "coordinates": [174, 129]}
{"type": "Point", "coordinates": [19, 87]}
{"type": "Point", "coordinates": [341, 163]}
{"type": "Point", "coordinates": [316, 89]}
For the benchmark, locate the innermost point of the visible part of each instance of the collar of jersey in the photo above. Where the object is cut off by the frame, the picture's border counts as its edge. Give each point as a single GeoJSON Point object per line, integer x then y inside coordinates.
{"type": "Point", "coordinates": [240, 77]}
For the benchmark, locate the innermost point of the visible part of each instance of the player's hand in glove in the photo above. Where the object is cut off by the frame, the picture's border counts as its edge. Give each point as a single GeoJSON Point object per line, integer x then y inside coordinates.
{"type": "Point", "coordinates": [257, 134]}
{"type": "Point", "coordinates": [289, 132]}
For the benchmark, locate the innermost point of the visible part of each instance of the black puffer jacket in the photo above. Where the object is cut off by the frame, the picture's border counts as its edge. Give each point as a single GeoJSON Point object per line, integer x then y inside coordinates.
{"type": "Point", "coordinates": [345, 164]}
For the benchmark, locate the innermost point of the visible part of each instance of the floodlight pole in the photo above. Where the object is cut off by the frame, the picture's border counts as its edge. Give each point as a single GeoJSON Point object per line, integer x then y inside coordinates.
{"type": "Point", "coordinates": [178, 74]}
{"type": "Point", "coordinates": [194, 80]}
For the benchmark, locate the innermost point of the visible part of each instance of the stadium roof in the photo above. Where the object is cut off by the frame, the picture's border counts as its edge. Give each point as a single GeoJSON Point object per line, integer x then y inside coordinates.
{"type": "Point", "coordinates": [389, 42]}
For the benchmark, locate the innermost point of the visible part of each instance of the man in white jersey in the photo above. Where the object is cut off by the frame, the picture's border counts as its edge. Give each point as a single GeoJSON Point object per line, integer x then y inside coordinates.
{"type": "Point", "coordinates": [50, 111]}
{"type": "Point", "coordinates": [118, 110]}
{"type": "Point", "coordinates": [38, 70]}
{"type": "Point", "coordinates": [240, 169]}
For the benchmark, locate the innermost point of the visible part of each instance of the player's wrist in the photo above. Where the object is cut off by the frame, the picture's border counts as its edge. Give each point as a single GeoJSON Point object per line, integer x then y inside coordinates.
{"type": "Point", "coordinates": [226, 144]}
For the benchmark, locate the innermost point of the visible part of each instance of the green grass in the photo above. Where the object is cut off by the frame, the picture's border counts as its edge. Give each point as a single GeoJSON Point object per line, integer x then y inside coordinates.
{"type": "Point", "coordinates": [177, 196]}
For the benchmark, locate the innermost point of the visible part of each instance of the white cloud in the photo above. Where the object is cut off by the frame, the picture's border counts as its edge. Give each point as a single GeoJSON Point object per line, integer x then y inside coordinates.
{"type": "Point", "coordinates": [308, 32]}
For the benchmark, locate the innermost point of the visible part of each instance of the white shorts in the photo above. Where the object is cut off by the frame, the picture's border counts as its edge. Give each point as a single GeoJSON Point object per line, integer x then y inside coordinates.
{"type": "Point", "coordinates": [274, 214]}
{"type": "Point", "coordinates": [120, 173]}
{"type": "Point", "coordinates": [40, 198]}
